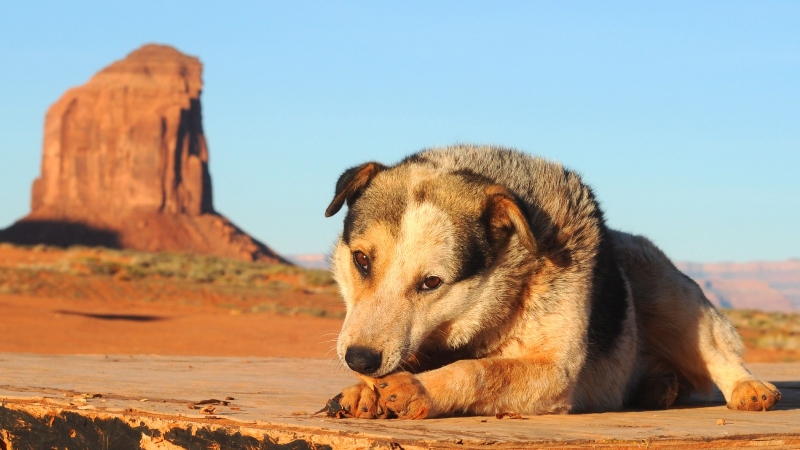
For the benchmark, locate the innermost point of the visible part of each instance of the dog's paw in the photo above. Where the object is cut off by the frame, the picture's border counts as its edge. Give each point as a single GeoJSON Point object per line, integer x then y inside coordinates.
{"type": "Point", "coordinates": [360, 401]}
{"type": "Point", "coordinates": [401, 395]}
{"type": "Point", "coordinates": [754, 395]}
{"type": "Point", "coordinates": [398, 395]}
{"type": "Point", "coordinates": [657, 391]}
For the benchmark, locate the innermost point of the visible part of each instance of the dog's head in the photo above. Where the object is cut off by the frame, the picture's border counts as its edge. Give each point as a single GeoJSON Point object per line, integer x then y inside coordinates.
{"type": "Point", "coordinates": [415, 259]}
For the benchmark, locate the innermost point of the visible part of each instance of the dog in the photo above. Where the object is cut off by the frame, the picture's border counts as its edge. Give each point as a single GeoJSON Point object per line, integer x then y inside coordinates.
{"type": "Point", "coordinates": [480, 280]}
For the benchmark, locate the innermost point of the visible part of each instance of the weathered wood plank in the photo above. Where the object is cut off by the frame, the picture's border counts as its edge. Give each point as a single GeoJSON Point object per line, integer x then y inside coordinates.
{"type": "Point", "coordinates": [122, 401]}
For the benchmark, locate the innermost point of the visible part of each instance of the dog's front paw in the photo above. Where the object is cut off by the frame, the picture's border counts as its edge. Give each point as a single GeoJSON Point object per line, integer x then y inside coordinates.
{"type": "Point", "coordinates": [398, 395]}
{"type": "Point", "coordinates": [754, 395]}
{"type": "Point", "coordinates": [402, 395]}
{"type": "Point", "coordinates": [360, 401]}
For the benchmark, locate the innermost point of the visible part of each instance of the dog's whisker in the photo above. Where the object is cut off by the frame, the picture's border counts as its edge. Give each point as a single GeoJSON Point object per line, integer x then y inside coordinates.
{"type": "Point", "coordinates": [326, 335]}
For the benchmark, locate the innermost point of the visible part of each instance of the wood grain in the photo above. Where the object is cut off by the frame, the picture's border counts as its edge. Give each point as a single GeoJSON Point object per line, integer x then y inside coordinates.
{"type": "Point", "coordinates": [79, 401]}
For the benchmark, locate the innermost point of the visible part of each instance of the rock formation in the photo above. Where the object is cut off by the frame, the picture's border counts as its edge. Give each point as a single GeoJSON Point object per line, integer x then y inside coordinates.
{"type": "Point", "coordinates": [125, 165]}
{"type": "Point", "coordinates": [766, 286]}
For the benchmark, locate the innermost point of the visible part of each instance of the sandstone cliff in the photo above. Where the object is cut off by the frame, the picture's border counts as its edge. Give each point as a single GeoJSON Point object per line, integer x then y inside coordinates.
{"type": "Point", "coordinates": [125, 164]}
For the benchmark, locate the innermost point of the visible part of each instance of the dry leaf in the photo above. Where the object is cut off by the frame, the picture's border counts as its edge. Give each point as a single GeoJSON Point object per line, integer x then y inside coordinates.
{"type": "Point", "coordinates": [333, 408]}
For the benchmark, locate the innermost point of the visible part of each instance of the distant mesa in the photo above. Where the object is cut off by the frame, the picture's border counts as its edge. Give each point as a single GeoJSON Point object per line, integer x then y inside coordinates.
{"type": "Point", "coordinates": [125, 165]}
{"type": "Point", "coordinates": [311, 261]}
{"type": "Point", "coordinates": [766, 286]}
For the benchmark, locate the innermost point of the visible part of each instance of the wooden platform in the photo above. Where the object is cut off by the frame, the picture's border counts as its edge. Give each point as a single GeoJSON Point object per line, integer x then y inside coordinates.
{"type": "Point", "coordinates": [121, 402]}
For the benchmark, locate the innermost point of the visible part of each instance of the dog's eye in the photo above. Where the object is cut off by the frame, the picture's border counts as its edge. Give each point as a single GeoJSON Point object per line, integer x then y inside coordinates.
{"type": "Point", "coordinates": [361, 260]}
{"type": "Point", "coordinates": [430, 283]}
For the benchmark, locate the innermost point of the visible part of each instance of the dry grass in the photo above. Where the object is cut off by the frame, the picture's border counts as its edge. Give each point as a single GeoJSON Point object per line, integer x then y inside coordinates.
{"type": "Point", "coordinates": [767, 331]}
{"type": "Point", "coordinates": [131, 265]}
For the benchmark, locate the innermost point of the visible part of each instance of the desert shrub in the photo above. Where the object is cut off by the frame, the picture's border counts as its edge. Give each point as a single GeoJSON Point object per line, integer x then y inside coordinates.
{"type": "Point", "coordinates": [126, 265]}
{"type": "Point", "coordinates": [278, 285]}
{"type": "Point", "coordinates": [98, 266]}
{"type": "Point", "coordinates": [779, 341]}
{"type": "Point", "coordinates": [316, 277]}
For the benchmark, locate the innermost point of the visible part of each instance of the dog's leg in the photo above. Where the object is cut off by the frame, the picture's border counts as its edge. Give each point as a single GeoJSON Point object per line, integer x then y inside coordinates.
{"type": "Point", "coordinates": [494, 385]}
{"type": "Point", "coordinates": [721, 350]}
{"type": "Point", "coordinates": [683, 331]}
{"type": "Point", "coordinates": [657, 390]}
{"type": "Point", "coordinates": [481, 387]}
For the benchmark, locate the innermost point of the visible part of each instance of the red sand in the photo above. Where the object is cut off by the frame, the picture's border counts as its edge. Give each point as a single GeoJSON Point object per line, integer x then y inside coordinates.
{"type": "Point", "coordinates": [97, 325]}
{"type": "Point", "coordinates": [32, 324]}
{"type": "Point", "coordinates": [53, 325]}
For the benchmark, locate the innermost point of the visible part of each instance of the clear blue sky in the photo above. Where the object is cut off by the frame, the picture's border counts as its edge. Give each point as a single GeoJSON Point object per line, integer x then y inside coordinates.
{"type": "Point", "coordinates": [684, 116]}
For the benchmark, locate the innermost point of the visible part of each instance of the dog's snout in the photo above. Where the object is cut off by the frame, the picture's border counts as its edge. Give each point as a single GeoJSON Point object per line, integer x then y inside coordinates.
{"type": "Point", "coordinates": [363, 359]}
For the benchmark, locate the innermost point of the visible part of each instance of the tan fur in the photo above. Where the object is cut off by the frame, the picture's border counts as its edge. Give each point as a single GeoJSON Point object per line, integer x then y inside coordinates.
{"type": "Point", "coordinates": [683, 332]}
{"type": "Point", "coordinates": [516, 242]}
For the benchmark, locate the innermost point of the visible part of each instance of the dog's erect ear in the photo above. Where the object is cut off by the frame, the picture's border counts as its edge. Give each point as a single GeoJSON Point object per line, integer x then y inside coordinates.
{"type": "Point", "coordinates": [506, 218]}
{"type": "Point", "coordinates": [351, 184]}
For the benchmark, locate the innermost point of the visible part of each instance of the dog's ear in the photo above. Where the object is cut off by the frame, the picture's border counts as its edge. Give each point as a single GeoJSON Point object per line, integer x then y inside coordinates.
{"type": "Point", "coordinates": [351, 184]}
{"type": "Point", "coordinates": [505, 217]}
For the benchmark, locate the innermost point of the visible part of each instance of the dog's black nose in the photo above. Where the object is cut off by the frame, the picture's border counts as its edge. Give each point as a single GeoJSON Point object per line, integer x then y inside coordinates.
{"type": "Point", "coordinates": [362, 359]}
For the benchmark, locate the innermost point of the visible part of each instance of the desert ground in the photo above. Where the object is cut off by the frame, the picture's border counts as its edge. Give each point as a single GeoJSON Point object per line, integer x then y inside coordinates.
{"type": "Point", "coordinates": [99, 301]}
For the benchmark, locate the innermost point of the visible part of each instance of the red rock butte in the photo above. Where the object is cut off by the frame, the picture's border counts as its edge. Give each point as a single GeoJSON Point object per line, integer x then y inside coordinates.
{"type": "Point", "coordinates": [125, 165]}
